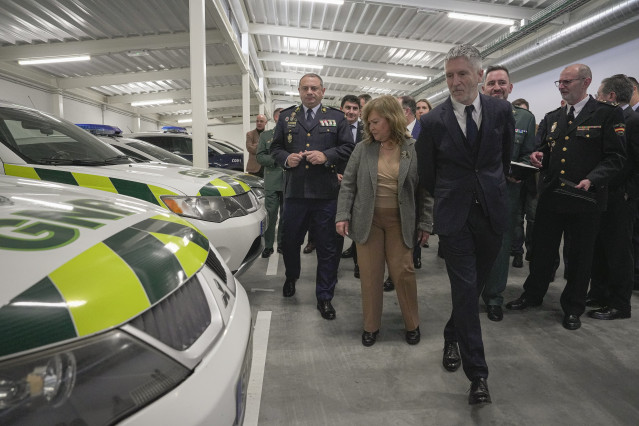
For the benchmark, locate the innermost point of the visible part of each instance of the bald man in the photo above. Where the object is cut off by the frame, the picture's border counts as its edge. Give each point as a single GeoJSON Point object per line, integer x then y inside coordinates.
{"type": "Point", "coordinates": [252, 139]}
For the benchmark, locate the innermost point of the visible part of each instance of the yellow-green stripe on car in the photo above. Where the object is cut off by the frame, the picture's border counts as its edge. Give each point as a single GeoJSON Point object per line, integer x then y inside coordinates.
{"type": "Point", "coordinates": [100, 290]}
{"type": "Point", "coordinates": [102, 183]}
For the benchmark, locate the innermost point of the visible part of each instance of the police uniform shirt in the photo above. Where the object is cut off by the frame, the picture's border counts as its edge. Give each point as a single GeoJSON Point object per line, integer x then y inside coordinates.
{"type": "Point", "coordinates": [578, 106]}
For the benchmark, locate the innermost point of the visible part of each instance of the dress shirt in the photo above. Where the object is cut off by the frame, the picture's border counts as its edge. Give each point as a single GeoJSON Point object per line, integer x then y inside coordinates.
{"type": "Point", "coordinates": [578, 106]}
{"type": "Point", "coordinates": [460, 113]}
{"type": "Point", "coordinates": [353, 127]}
{"type": "Point", "coordinates": [411, 126]}
{"type": "Point", "coordinates": [317, 107]}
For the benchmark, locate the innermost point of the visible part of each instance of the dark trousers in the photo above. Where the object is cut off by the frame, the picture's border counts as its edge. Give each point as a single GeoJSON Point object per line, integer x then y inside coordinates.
{"type": "Point", "coordinates": [469, 256]}
{"type": "Point", "coordinates": [526, 207]}
{"type": "Point", "coordinates": [635, 245]}
{"type": "Point", "coordinates": [549, 227]}
{"type": "Point", "coordinates": [274, 201]}
{"type": "Point", "coordinates": [318, 215]}
{"type": "Point", "coordinates": [612, 276]}
{"type": "Point", "coordinates": [498, 277]}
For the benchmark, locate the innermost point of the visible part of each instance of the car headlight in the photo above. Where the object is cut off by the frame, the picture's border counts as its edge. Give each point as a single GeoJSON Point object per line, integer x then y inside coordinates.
{"type": "Point", "coordinates": [210, 209]}
{"type": "Point", "coordinates": [98, 380]}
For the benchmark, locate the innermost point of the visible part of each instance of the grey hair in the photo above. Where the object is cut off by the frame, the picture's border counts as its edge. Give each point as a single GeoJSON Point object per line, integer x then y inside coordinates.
{"type": "Point", "coordinates": [621, 85]}
{"type": "Point", "coordinates": [584, 71]}
{"type": "Point", "coordinates": [467, 51]}
{"type": "Point", "coordinates": [312, 74]}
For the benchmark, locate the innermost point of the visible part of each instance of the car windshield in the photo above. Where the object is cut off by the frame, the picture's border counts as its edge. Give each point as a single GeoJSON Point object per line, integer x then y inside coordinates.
{"type": "Point", "coordinates": [159, 153]}
{"type": "Point", "coordinates": [44, 139]}
{"type": "Point", "coordinates": [226, 144]}
{"type": "Point", "coordinates": [225, 149]}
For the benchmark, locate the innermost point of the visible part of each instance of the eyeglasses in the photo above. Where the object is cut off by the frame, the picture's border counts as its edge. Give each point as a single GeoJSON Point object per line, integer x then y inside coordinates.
{"type": "Point", "coordinates": [567, 82]}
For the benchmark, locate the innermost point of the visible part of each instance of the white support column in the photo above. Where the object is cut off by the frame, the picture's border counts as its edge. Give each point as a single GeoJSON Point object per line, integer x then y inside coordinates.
{"type": "Point", "coordinates": [58, 104]}
{"type": "Point", "coordinates": [198, 83]}
{"type": "Point", "coordinates": [136, 123]}
{"type": "Point", "coordinates": [246, 94]}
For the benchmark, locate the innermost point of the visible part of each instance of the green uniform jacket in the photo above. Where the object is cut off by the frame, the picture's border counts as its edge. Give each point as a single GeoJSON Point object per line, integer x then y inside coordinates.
{"type": "Point", "coordinates": [272, 171]}
{"type": "Point", "coordinates": [524, 143]}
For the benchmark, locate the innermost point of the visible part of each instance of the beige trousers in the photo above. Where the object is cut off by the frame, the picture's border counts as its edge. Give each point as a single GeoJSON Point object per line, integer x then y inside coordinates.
{"type": "Point", "coordinates": [385, 244]}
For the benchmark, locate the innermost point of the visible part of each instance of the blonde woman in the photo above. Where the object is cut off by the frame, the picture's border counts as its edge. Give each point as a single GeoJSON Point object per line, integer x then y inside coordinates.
{"type": "Point", "coordinates": [376, 209]}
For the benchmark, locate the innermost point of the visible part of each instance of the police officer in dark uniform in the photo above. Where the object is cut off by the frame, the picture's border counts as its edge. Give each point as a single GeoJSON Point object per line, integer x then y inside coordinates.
{"type": "Point", "coordinates": [311, 142]}
{"type": "Point", "coordinates": [582, 148]}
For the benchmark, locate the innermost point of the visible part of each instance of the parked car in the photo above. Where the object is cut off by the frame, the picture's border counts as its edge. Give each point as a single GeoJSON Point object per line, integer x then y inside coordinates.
{"type": "Point", "coordinates": [113, 310]}
{"type": "Point", "coordinates": [181, 143]}
{"type": "Point", "coordinates": [36, 145]}
{"type": "Point", "coordinates": [144, 151]}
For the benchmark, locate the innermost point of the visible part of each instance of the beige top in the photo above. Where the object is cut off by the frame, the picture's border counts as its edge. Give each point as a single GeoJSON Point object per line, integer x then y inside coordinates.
{"type": "Point", "coordinates": [387, 176]}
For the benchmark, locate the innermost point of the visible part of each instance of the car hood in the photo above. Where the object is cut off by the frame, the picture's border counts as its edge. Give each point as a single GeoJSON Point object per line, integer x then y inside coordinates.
{"type": "Point", "coordinates": [146, 181]}
{"type": "Point", "coordinates": [76, 262]}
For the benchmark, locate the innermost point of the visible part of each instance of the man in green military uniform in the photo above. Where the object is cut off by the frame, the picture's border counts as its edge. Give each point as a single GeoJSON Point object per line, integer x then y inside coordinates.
{"type": "Point", "coordinates": [273, 188]}
{"type": "Point", "coordinates": [498, 85]}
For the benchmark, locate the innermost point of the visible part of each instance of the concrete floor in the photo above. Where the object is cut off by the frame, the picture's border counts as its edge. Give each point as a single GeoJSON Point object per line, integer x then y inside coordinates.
{"type": "Point", "coordinates": [318, 373]}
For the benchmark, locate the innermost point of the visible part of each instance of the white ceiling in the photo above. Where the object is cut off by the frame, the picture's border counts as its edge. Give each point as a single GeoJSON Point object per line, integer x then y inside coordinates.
{"type": "Point", "coordinates": [140, 48]}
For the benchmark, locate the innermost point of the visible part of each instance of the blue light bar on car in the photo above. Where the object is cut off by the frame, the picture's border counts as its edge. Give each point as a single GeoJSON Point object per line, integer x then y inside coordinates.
{"type": "Point", "coordinates": [101, 129]}
{"type": "Point", "coordinates": [174, 129]}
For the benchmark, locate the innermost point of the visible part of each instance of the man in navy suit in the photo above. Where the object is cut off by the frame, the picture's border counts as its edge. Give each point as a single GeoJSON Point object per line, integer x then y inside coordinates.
{"type": "Point", "coordinates": [464, 155]}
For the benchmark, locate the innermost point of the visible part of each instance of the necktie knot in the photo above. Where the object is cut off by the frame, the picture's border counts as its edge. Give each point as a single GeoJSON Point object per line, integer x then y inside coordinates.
{"type": "Point", "coordinates": [571, 113]}
{"type": "Point", "coordinates": [309, 114]}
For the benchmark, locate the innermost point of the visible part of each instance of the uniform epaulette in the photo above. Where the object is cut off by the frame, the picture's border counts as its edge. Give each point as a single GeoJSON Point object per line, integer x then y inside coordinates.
{"type": "Point", "coordinates": [332, 107]}
{"type": "Point", "coordinates": [555, 110]}
{"type": "Point", "coordinates": [613, 104]}
{"type": "Point", "coordinates": [286, 109]}
{"type": "Point", "coordinates": [522, 109]}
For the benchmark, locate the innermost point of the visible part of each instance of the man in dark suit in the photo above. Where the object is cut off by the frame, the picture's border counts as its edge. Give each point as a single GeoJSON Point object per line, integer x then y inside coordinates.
{"type": "Point", "coordinates": [582, 148]}
{"type": "Point", "coordinates": [351, 109]}
{"type": "Point", "coordinates": [310, 142]}
{"type": "Point", "coordinates": [612, 277]}
{"type": "Point", "coordinates": [464, 154]}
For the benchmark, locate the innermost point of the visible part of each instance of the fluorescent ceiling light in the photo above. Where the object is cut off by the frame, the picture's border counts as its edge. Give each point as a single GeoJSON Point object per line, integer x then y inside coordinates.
{"type": "Point", "coordinates": [155, 102]}
{"type": "Point", "coordinates": [292, 93]}
{"type": "Point", "coordinates": [337, 2]}
{"type": "Point", "coordinates": [291, 64]}
{"type": "Point", "coordinates": [185, 120]}
{"type": "Point", "coordinates": [36, 61]}
{"type": "Point", "coordinates": [417, 77]}
{"type": "Point", "coordinates": [481, 18]}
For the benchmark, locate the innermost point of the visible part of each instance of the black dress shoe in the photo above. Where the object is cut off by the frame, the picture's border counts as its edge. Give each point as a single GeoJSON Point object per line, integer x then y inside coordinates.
{"type": "Point", "coordinates": [518, 261]}
{"type": "Point", "coordinates": [571, 322]}
{"type": "Point", "coordinates": [347, 253]}
{"type": "Point", "coordinates": [591, 302]}
{"type": "Point", "coordinates": [608, 313]}
{"type": "Point", "coordinates": [528, 256]}
{"type": "Point", "coordinates": [289, 287]}
{"type": "Point", "coordinates": [479, 392]}
{"type": "Point", "coordinates": [279, 250]}
{"type": "Point", "coordinates": [521, 303]}
{"type": "Point", "coordinates": [356, 271]}
{"type": "Point", "coordinates": [413, 337]}
{"type": "Point", "coordinates": [417, 263]}
{"type": "Point", "coordinates": [388, 284]}
{"type": "Point", "coordinates": [369, 338]}
{"type": "Point", "coordinates": [309, 248]}
{"type": "Point", "coordinates": [267, 252]}
{"type": "Point", "coordinates": [451, 360]}
{"type": "Point", "coordinates": [494, 313]}
{"type": "Point", "coordinates": [326, 309]}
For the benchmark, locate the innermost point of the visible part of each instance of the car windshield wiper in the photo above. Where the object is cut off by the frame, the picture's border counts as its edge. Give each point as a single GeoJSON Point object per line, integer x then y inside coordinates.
{"type": "Point", "coordinates": [118, 159]}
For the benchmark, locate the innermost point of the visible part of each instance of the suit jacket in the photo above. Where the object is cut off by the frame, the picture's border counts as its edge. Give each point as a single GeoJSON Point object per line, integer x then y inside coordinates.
{"type": "Point", "coordinates": [356, 201]}
{"type": "Point", "coordinates": [589, 148]}
{"type": "Point", "coordinates": [417, 128]}
{"type": "Point", "coordinates": [252, 139]}
{"type": "Point", "coordinates": [359, 135]}
{"type": "Point", "coordinates": [455, 175]}
{"type": "Point", "coordinates": [273, 174]}
{"type": "Point", "coordinates": [329, 133]}
{"type": "Point", "coordinates": [628, 179]}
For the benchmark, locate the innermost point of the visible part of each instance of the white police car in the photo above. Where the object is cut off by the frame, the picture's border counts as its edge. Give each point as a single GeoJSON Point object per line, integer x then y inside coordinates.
{"type": "Point", "coordinates": [144, 151]}
{"type": "Point", "coordinates": [39, 146]}
{"type": "Point", "coordinates": [113, 310]}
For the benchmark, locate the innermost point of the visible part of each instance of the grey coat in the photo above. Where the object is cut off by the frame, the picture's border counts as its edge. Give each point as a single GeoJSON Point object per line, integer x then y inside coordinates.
{"type": "Point", "coordinates": [356, 200]}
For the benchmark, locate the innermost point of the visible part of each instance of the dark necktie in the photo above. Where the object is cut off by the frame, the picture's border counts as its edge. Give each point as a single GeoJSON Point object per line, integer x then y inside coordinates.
{"type": "Point", "coordinates": [471, 126]}
{"type": "Point", "coordinates": [354, 132]}
{"type": "Point", "coordinates": [309, 115]}
{"type": "Point", "coordinates": [571, 114]}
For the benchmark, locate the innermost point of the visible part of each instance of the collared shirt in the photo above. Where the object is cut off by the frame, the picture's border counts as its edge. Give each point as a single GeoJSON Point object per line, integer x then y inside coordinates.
{"type": "Point", "coordinates": [578, 106]}
{"type": "Point", "coordinates": [411, 126]}
{"type": "Point", "coordinates": [636, 106]}
{"type": "Point", "coordinates": [314, 110]}
{"type": "Point", "coordinates": [460, 113]}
